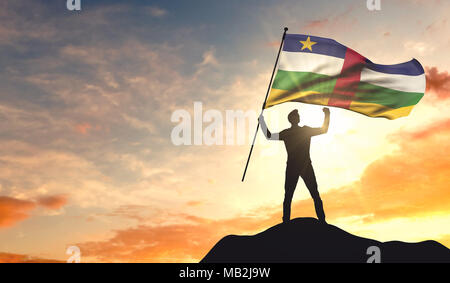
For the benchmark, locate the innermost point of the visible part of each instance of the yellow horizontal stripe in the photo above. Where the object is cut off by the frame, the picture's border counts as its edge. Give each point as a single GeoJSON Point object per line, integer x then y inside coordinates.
{"type": "Point", "coordinates": [377, 110]}
{"type": "Point", "coordinates": [278, 96]}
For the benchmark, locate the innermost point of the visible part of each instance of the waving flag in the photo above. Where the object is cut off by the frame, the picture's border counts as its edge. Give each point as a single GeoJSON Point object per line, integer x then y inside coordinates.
{"type": "Point", "coordinates": [322, 71]}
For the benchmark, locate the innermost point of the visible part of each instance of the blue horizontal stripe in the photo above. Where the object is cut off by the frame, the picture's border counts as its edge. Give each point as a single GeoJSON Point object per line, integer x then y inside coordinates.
{"type": "Point", "coordinates": [411, 68]}
{"type": "Point", "coordinates": [323, 46]}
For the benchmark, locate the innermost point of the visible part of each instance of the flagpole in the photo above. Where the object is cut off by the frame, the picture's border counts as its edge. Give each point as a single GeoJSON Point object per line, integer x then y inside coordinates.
{"type": "Point", "coordinates": [264, 104]}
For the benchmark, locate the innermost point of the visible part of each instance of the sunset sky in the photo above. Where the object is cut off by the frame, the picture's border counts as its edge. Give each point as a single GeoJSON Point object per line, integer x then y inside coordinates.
{"type": "Point", "coordinates": [86, 99]}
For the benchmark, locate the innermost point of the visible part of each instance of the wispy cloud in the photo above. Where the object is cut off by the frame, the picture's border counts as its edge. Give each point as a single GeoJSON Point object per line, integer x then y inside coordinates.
{"type": "Point", "coordinates": [209, 58]}
{"type": "Point", "coordinates": [53, 202]}
{"type": "Point", "coordinates": [156, 11]}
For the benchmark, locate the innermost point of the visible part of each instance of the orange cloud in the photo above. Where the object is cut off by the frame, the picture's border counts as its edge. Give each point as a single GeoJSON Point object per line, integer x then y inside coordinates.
{"type": "Point", "coordinates": [273, 44]}
{"type": "Point", "coordinates": [410, 182]}
{"type": "Point", "coordinates": [53, 202]}
{"type": "Point", "coordinates": [328, 23]}
{"type": "Point", "coordinates": [19, 258]}
{"type": "Point", "coordinates": [194, 203]}
{"type": "Point", "coordinates": [438, 82]}
{"type": "Point", "coordinates": [14, 210]}
{"type": "Point", "coordinates": [83, 128]}
{"type": "Point", "coordinates": [435, 128]}
{"type": "Point", "coordinates": [317, 24]}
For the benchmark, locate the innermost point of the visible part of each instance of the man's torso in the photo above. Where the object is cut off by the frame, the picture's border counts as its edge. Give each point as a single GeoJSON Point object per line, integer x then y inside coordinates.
{"type": "Point", "coordinates": [297, 141]}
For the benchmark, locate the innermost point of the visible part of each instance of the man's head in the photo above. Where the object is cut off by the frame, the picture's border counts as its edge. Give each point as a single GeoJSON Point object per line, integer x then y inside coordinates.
{"type": "Point", "coordinates": [294, 118]}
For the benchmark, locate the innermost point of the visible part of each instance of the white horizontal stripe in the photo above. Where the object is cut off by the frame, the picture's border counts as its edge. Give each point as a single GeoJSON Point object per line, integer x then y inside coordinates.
{"type": "Point", "coordinates": [310, 62]}
{"type": "Point", "coordinates": [394, 81]}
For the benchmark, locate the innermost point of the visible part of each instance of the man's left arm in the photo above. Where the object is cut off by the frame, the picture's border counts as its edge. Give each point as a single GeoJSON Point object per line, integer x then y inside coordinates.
{"type": "Point", "coordinates": [325, 125]}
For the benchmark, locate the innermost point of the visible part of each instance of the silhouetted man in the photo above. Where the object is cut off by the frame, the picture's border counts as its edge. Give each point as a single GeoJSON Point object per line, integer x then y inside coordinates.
{"type": "Point", "coordinates": [297, 141]}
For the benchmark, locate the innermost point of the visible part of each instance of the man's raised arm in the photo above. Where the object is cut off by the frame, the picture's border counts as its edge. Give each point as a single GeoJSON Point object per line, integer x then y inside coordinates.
{"type": "Point", "coordinates": [265, 130]}
{"type": "Point", "coordinates": [326, 121]}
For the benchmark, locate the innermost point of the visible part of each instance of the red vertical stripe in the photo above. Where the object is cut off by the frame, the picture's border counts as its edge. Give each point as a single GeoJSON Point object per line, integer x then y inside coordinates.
{"type": "Point", "coordinates": [347, 83]}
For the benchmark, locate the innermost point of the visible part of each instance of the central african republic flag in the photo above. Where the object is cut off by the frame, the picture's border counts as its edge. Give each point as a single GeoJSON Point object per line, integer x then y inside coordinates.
{"type": "Point", "coordinates": [322, 71]}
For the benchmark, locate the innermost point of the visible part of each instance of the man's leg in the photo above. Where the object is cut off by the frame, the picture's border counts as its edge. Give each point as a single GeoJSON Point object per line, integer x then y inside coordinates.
{"type": "Point", "coordinates": [290, 183]}
{"type": "Point", "coordinates": [310, 181]}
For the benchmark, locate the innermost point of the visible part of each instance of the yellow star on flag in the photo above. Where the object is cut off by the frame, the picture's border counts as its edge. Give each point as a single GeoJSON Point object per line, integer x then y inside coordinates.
{"type": "Point", "coordinates": [307, 44]}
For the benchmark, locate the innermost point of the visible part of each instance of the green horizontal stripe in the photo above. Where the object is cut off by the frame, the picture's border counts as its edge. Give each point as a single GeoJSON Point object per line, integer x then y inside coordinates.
{"type": "Point", "coordinates": [392, 98]}
{"type": "Point", "coordinates": [365, 92]}
{"type": "Point", "coordinates": [304, 81]}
